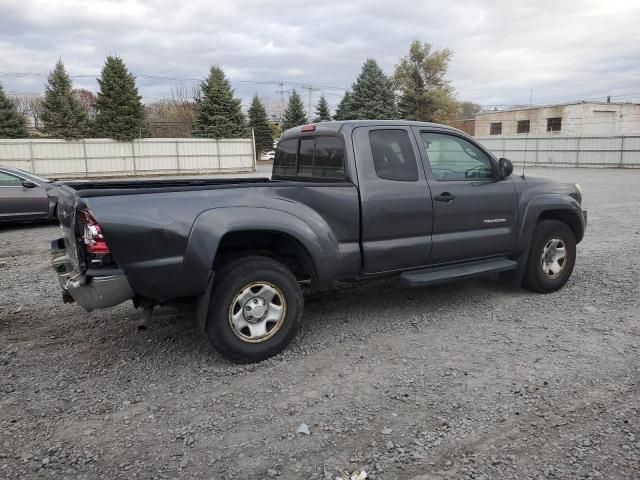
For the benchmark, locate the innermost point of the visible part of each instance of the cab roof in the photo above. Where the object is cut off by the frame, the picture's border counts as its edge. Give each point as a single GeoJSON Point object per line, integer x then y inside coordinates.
{"type": "Point", "coordinates": [336, 127]}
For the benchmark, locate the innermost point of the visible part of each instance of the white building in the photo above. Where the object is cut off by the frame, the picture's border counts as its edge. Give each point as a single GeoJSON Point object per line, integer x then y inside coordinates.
{"type": "Point", "coordinates": [579, 119]}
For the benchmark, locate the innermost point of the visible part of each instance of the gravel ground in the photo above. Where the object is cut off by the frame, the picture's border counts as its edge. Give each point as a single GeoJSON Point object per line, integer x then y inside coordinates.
{"type": "Point", "coordinates": [471, 380]}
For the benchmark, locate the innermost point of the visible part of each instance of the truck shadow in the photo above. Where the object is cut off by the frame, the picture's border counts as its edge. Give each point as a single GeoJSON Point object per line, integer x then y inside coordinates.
{"type": "Point", "coordinates": [26, 226]}
{"type": "Point", "coordinates": [352, 309]}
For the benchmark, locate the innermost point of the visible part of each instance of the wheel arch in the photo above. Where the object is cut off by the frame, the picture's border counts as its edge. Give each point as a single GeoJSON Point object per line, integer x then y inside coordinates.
{"type": "Point", "coordinates": [549, 206]}
{"type": "Point", "coordinates": [282, 246]}
{"type": "Point", "coordinates": [250, 230]}
{"type": "Point", "coordinates": [567, 217]}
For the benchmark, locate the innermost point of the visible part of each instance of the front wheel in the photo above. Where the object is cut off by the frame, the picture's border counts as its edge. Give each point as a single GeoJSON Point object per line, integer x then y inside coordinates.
{"type": "Point", "coordinates": [255, 309]}
{"type": "Point", "coordinates": [552, 257]}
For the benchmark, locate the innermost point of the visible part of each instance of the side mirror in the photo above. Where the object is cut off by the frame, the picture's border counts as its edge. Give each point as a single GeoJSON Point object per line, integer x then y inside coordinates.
{"type": "Point", "coordinates": [505, 167]}
{"type": "Point", "coordinates": [29, 184]}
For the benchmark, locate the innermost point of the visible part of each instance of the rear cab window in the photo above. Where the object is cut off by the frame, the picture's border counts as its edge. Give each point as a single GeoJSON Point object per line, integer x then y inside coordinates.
{"type": "Point", "coordinates": [319, 158]}
{"type": "Point", "coordinates": [285, 164]}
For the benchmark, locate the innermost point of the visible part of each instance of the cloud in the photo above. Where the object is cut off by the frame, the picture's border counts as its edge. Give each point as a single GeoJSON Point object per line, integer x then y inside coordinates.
{"type": "Point", "coordinates": [502, 49]}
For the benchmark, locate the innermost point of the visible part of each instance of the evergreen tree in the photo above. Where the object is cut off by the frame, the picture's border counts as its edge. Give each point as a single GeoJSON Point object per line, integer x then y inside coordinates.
{"type": "Point", "coordinates": [62, 113]}
{"type": "Point", "coordinates": [373, 97]}
{"type": "Point", "coordinates": [119, 111]}
{"type": "Point", "coordinates": [345, 110]}
{"type": "Point", "coordinates": [217, 112]}
{"type": "Point", "coordinates": [294, 115]}
{"type": "Point", "coordinates": [260, 124]}
{"type": "Point", "coordinates": [322, 111]}
{"type": "Point", "coordinates": [425, 94]}
{"type": "Point", "coordinates": [12, 124]}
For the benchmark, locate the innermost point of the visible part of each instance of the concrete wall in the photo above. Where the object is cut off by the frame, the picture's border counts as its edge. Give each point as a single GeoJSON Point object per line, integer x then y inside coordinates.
{"type": "Point", "coordinates": [557, 151]}
{"type": "Point", "coordinates": [149, 156]}
{"type": "Point", "coordinates": [580, 119]}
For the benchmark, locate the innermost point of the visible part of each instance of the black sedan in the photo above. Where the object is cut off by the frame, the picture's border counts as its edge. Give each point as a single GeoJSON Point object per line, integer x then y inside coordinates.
{"type": "Point", "coordinates": [25, 197]}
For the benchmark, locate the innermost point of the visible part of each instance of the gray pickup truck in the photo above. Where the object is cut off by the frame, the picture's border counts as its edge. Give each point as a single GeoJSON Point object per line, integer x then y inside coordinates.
{"type": "Point", "coordinates": [346, 200]}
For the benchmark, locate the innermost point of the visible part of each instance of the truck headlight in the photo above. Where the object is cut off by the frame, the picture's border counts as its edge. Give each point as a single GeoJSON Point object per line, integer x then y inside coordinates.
{"type": "Point", "coordinates": [580, 192]}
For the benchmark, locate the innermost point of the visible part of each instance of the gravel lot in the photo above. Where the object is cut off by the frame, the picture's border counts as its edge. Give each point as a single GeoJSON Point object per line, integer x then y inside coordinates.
{"type": "Point", "coordinates": [471, 380]}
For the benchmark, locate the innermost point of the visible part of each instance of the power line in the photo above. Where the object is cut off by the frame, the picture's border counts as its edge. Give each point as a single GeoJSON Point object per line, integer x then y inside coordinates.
{"type": "Point", "coordinates": [174, 79]}
{"type": "Point", "coordinates": [311, 89]}
{"type": "Point", "coordinates": [329, 89]}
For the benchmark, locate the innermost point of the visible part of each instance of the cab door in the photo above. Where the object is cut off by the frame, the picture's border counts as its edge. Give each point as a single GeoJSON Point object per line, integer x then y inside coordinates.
{"type": "Point", "coordinates": [396, 208]}
{"type": "Point", "coordinates": [475, 211]}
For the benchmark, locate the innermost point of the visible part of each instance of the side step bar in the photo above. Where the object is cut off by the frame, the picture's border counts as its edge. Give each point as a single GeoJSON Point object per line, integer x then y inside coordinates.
{"type": "Point", "coordinates": [450, 273]}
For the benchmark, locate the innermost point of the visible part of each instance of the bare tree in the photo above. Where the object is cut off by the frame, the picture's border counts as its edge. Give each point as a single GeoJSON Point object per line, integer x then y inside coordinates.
{"type": "Point", "coordinates": [21, 102]}
{"type": "Point", "coordinates": [87, 100]}
{"type": "Point", "coordinates": [275, 108]}
{"type": "Point", "coordinates": [31, 107]}
{"type": "Point", "coordinates": [183, 101]}
{"type": "Point", "coordinates": [173, 118]}
{"type": "Point", "coordinates": [36, 104]}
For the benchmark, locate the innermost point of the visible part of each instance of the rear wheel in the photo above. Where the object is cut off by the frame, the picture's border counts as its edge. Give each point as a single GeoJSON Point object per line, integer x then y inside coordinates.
{"type": "Point", "coordinates": [255, 309]}
{"type": "Point", "coordinates": [552, 257]}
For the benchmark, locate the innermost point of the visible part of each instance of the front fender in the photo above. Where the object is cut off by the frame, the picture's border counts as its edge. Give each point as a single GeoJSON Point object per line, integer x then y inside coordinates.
{"type": "Point", "coordinates": [540, 204]}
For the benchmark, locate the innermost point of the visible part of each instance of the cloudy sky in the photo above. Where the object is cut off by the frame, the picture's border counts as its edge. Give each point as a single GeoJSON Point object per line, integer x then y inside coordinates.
{"type": "Point", "coordinates": [562, 49]}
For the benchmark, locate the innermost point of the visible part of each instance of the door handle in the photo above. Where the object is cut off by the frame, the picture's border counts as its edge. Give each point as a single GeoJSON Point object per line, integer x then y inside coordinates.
{"type": "Point", "coordinates": [445, 197]}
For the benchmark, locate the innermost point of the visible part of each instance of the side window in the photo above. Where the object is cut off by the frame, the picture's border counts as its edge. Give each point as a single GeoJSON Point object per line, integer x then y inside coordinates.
{"type": "Point", "coordinates": [284, 164]}
{"type": "Point", "coordinates": [454, 158]}
{"type": "Point", "coordinates": [393, 156]}
{"type": "Point", "coordinates": [7, 180]}
{"type": "Point", "coordinates": [329, 161]}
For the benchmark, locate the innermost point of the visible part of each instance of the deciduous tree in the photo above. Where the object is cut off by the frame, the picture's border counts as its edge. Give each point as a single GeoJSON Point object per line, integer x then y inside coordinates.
{"type": "Point", "coordinates": [88, 101]}
{"type": "Point", "coordinates": [468, 109]}
{"type": "Point", "coordinates": [425, 93]}
{"type": "Point", "coordinates": [31, 107]}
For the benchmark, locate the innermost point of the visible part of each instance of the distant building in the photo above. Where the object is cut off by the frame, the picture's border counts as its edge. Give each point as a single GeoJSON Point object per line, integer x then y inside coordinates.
{"type": "Point", "coordinates": [468, 125]}
{"type": "Point", "coordinates": [579, 119]}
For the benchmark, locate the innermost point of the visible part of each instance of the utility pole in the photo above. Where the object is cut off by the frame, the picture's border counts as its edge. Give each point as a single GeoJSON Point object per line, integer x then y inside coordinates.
{"type": "Point", "coordinates": [281, 91]}
{"type": "Point", "coordinates": [311, 89]}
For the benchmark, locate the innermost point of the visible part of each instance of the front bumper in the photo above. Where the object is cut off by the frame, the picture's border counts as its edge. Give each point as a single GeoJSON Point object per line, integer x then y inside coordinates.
{"type": "Point", "coordinates": [89, 291]}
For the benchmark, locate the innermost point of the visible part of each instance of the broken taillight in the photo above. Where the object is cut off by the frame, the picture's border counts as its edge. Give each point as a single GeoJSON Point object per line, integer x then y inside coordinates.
{"type": "Point", "coordinates": [94, 243]}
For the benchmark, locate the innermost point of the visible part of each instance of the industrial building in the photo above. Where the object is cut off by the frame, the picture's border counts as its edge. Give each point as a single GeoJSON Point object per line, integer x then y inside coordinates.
{"type": "Point", "coordinates": [577, 119]}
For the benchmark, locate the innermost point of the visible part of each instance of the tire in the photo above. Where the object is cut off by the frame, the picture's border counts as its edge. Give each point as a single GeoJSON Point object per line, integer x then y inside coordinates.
{"type": "Point", "coordinates": [255, 309]}
{"type": "Point", "coordinates": [547, 269]}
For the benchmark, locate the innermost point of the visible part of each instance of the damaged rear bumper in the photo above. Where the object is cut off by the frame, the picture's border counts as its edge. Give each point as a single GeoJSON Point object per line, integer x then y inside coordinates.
{"type": "Point", "coordinates": [93, 290]}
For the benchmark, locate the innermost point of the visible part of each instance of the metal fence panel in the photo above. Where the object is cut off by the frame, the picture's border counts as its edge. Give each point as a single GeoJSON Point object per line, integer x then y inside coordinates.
{"type": "Point", "coordinates": [103, 157]}
{"type": "Point", "coordinates": [232, 152]}
{"type": "Point", "coordinates": [559, 151]}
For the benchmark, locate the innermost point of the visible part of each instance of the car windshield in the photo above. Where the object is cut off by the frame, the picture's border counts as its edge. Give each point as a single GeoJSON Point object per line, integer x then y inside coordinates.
{"type": "Point", "coordinates": [32, 176]}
